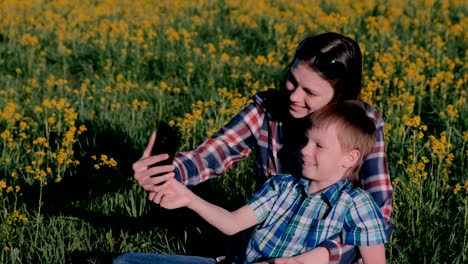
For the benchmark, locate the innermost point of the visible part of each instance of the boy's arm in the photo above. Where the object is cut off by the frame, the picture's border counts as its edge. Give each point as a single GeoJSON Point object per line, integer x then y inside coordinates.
{"type": "Point", "coordinates": [373, 254]}
{"type": "Point", "coordinates": [227, 222]}
{"type": "Point", "coordinates": [173, 194]}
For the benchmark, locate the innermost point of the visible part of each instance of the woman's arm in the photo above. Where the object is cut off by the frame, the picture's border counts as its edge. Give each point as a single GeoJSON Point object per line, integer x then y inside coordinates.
{"type": "Point", "coordinates": [373, 254]}
{"type": "Point", "coordinates": [215, 155]}
{"type": "Point", "coordinates": [212, 158]}
{"type": "Point", "coordinates": [374, 174]}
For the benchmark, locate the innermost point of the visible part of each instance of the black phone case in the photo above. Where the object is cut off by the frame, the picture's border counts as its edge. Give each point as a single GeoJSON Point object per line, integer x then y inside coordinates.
{"type": "Point", "coordinates": [167, 142]}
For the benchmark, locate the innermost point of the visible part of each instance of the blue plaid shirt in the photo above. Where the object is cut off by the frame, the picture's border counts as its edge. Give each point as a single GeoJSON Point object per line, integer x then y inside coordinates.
{"type": "Point", "coordinates": [256, 128]}
{"type": "Point", "coordinates": [292, 221]}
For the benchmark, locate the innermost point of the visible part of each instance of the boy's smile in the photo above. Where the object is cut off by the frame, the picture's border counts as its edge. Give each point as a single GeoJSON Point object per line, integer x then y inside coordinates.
{"type": "Point", "coordinates": [323, 160]}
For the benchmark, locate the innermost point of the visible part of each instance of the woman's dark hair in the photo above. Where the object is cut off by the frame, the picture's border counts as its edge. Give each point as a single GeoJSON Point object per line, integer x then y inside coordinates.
{"type": "Point", "coordinates": [337, 58]}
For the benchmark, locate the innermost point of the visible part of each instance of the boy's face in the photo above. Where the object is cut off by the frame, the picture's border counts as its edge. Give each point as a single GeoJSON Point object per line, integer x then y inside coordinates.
{"type": "Point", "coordinates": [308, 90]}
{"type": "Point", "coordinates": [323, 159]}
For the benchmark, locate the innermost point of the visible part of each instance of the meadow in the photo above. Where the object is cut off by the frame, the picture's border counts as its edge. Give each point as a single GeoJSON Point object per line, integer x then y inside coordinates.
{"type": "Point", "coordinates": [82, 82]}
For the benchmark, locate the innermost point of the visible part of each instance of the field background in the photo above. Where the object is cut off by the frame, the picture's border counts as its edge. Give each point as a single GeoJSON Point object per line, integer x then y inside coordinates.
{"type": "Point", "coordinates": [81, 83]}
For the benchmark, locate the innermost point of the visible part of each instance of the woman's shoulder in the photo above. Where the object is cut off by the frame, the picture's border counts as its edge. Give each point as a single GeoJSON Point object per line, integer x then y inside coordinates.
{"type": "Point", "coordinates": [373, 113]}
{"type": "Point", "coordinates": [273, 102]}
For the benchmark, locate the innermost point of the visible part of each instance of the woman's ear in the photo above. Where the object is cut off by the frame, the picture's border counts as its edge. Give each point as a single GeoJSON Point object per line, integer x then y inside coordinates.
{"type": "Point", "coordinates": [351, 158]}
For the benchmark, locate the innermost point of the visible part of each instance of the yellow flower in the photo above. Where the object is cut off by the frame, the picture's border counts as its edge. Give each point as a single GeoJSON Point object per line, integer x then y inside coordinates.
{"type": "Point", "coordinates": [225, 57]}
{"type": "Point", "coordinates": [260, 60]}
{"type": "Point", "coordinates": [163, 85]}
{"type": "Point", "coordinates": [452, 112]}
{"type": "Point", "coordinates": [82, 128]}
{"type": "Point", "coordinates": [135, 104]}
{"type": "Point", "coordinates": [6, 134]}
{"type": "Point", "coordinates": [3, 184]}
{"type": "Point", "coordinates": [39, 141]}
{"type": "Point", "coordinates": [49, 103]}
{"type": "Point", "coordinates": [29, 40]}
{"type": "Point", "coordinates": [457, 188]}
{"type": "Point", "coordinates": [119, 77]}
{"type": "Point", "coordinates": [411, 122]}
{"type": "Point", "coordinates": [38, 109]}
{"type": "Point", "coordinates": [51, 120]}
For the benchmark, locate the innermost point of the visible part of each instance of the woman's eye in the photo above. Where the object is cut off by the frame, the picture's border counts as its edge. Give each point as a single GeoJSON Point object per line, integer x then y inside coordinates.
{"type": "Point", "coordinates": [309, 92]}
{"type": "Point", "coordinates": [292, 80]}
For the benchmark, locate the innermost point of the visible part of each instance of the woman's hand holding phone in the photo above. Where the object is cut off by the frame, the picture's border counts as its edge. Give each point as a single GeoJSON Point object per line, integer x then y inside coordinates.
{"type": "Point", "coordinates": [155, 162]}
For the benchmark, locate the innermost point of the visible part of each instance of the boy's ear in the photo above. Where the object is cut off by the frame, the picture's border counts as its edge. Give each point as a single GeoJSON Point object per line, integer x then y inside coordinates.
{"type": "Point", "coordinates": [352, 158]}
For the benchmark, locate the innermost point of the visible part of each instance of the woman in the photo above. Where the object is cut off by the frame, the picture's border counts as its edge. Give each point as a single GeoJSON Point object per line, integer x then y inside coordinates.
{"type": "Point", "coordinates": [326, 68]}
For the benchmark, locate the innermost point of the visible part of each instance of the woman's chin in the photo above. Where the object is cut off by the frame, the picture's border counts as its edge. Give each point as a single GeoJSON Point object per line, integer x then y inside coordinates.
{"type": "Point", "coordinates": [297, 113]}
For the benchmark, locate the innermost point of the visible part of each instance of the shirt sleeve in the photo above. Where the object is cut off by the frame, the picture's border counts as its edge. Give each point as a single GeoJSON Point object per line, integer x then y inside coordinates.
{"type": "Point", "coordinates": [375, 178]}
{"type": "Point", "coordinates": [215, 155]}
{"type": "Point", "coordinates": [364, 223]}
{"type": "Point", "coordinates": [263, 200]}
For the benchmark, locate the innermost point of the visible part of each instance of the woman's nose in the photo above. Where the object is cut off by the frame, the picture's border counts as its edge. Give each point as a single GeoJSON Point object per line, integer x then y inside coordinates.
{"type": "Point", "coordinates": [295, 95]}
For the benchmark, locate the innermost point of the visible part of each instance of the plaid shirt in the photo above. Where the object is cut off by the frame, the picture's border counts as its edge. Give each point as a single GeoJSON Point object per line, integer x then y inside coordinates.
{"type": "Point", "coordinates": [292, 221]}
{"type": "Point", "coordinates": [256, 127]}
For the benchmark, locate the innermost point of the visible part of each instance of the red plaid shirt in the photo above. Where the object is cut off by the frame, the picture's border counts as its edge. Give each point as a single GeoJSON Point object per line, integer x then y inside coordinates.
{"type": "Point", "coordinates": [255, 127]}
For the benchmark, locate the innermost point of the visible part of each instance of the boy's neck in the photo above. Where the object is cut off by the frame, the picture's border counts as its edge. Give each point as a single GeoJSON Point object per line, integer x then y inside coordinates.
{"type": "Point", "coordinates": [316, 186]}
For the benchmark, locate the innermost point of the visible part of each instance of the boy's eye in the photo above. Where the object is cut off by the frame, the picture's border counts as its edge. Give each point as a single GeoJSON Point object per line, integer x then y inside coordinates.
{"type": "Point", "coordinates": [319, 146]}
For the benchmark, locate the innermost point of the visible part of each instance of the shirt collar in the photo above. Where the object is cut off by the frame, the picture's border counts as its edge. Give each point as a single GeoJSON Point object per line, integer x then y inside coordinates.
{"type": "Point", "coordinates": [331, 193]}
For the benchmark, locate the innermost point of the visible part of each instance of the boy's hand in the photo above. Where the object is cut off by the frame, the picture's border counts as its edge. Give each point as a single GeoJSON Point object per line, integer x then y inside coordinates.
{"type": "Point", "coordinates": [172, 194]}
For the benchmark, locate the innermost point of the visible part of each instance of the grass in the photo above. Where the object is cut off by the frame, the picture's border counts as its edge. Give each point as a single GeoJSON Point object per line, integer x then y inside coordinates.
{"type": "Point", "coordinates": [80, 87]}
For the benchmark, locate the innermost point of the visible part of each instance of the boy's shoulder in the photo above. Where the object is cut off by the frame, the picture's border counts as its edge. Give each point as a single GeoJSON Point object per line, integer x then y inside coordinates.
{"type": "Point", "coordinates": [282, 181]}
{"type": "Point", "coordinates": [357, 195]}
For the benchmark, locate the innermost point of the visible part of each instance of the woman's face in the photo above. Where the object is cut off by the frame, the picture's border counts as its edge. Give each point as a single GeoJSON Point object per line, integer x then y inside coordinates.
{"type": "Point", "coordinates": [308, 91]}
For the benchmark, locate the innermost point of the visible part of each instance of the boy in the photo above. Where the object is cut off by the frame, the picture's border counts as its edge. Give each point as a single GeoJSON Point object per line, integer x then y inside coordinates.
{"type": "Point", "coordinates": [295, 214]}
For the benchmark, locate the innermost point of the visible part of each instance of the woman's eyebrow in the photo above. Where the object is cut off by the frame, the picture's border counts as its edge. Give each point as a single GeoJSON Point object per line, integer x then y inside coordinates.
{"type": "Point", "coordinates": [292, 79]}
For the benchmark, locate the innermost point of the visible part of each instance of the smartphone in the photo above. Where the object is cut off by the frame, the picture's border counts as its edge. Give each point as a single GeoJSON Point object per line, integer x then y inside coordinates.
{"type": "Point", "coordinates": [167, 142]}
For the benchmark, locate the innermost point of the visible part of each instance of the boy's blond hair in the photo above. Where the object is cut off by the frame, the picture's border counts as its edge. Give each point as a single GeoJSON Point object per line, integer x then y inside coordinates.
{"type": "Point", "coordinates": [355, 130]}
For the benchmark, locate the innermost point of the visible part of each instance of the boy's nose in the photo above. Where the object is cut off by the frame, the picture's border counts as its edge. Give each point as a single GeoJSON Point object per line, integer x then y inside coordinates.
{"type": "Point", "coordinates": [307, 150]}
